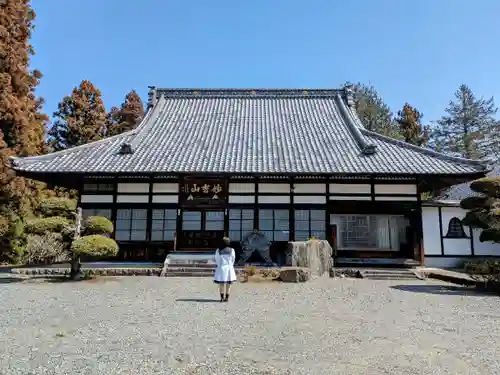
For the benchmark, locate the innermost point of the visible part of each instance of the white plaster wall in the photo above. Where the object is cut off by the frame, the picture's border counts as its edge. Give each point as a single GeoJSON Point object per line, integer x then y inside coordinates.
{"type": "Point", "coordinates": [310, 189]}
{"type": "Point", "coordinates": [431, 234]}
{"type": "Point", "coordinates": [309, 199]}
{"type": "Point", "coordinates": [91, 198]}
{"type": "Point", "coordinates": [133, 187]}
{"type": "Point", "coordinates": [238, 187]}
{"type": "Point", "coordinates": [410, 189]}
{"type": "Point", "coordinates": [270, 199]}
{"type": "Point", "coordinates": [455, 246]}
{"type": "Point", "coordinates": [350, 189]}
{"type": "Point", "coordinates": [274, 188]}
{"type": "Point", "coordinates": [165, 199]}
{"type": "Point", "coordinates": [247, 199]}
{"type": "Point", "coordinates": [132, 199]}
{"type": "Point", "coordinates": [165, 188]}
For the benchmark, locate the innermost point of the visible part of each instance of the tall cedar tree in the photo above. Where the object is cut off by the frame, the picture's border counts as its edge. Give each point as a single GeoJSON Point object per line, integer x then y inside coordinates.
{"type": "Point", "coordinates": [80, 118]}
{"type": "Point", "coordinates": [127, 117]}
{"type": "Point", "coordinates": [22, 125]}
{"type": "Point", "coordinates": [410, 126]}
{"type": "Point", "coordinates": [466, 129]}
{"type": "Point", "coordinates": [375, 115]}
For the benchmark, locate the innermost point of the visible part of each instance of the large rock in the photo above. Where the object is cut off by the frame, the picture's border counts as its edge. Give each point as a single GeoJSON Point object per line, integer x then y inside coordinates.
{"type": "Point", "coordinates": [315, 255]}
{"type": "Point", "coordinates": [294, 275]}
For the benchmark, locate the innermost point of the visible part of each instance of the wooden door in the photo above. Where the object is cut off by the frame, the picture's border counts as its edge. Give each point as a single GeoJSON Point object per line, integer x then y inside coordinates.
{"type": "Point", "coordinates": [201, 230]}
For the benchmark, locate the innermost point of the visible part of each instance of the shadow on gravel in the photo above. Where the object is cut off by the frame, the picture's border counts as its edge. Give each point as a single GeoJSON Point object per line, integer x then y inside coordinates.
{"type": "Point", "coordinates": [10, 280]}
{"type": "Point", "coordinates": [442, 290]}
{"type": "Point", "coordinates": [197, 300]}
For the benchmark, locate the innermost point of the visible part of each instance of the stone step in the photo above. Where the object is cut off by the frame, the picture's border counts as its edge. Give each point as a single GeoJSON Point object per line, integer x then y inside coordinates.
{"type": "Point", "coordinates": [389, 274]}
{"type": "Point", "coordinates": [391, 278]}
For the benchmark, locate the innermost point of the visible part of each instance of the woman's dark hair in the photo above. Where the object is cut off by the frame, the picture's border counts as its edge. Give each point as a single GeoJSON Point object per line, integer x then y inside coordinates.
{"type": "Point", "coordinates": [226, 242]}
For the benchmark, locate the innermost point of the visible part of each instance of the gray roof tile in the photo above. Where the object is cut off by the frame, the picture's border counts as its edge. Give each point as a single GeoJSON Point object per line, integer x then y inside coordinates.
{"type": "Point", "coordinates": [249, 131]}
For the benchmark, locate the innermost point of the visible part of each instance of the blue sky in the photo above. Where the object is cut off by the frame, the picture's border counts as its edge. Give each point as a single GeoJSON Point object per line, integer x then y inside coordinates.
{"type": "Point", "coordinates": [414, 51]}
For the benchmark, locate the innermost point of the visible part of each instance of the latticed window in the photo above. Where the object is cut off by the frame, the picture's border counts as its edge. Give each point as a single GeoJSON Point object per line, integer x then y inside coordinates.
{"type": "Point", "coordinates": [310, 223]}
{"type": "Point", "coordinates": [131, 224]}
{"type": "Point", "coordinates": [370, 232]}
{"type": "Point", "coordinates": [240, 223]}
{"type": "Point", "coordinates": [455, 229]}
{"type": "Point", "coordinates": [163, 224]}
{"type": "Point", "coordinates": [275, 224]}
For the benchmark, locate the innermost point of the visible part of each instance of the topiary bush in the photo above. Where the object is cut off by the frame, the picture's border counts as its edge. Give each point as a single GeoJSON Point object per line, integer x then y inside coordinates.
{"type": "Point", "coordinates": [98, 225]}
{"type": "Point", "coordinates": [486, 272]}
{"type": "Point", "coordinates": [45, 249]}
{"type": "Point", "coordinates": [43, 225]}
{"type": "Point", "coordinates": [64, 207]}
{"type": "Point", "coordinates": [94, 245]}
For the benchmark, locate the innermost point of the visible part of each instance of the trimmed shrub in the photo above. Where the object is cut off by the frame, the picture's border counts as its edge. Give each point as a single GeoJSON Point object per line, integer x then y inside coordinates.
{"type": "Point", "coordinates": [47, 224]}
{"type": "Point", "coordinates": [47, 248]}
{"type": "Point", "coordinates": [98, 225]}
{"type": "Point", "coordinates": [64, 207]}
{"type": "Point", "coordinates": [489, 186]}
{"type": "Point", "coordinates": [486, 272]}
{"type": "Point", "coordinates": [95, 245]}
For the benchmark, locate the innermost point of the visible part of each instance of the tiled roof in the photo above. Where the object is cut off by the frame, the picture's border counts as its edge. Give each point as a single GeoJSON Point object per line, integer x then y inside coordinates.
{"type": "Point", "coordinates": [249, 131]}
{"type": "Point", "coordinates": [461, 191]}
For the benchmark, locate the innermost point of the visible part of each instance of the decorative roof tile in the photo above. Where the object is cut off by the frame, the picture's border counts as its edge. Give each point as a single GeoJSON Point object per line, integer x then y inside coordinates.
{"type": "Point", "coordinates": [259, 131]}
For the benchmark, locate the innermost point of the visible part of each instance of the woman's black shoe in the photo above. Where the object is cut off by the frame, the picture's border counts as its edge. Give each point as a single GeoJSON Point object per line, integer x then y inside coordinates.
{"type": "Point", "coordinates": [222, 298]}
{"type": "Point", "coordinates": [227, 298]}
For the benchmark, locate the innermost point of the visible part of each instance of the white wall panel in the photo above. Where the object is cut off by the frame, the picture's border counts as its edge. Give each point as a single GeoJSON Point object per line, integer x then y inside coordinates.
{"type": "Point", "coordinates": [250, 199]}
{"type": "Point", "coordinates": [309, 188]}
{"type": "Point", "coordinates": [431, 233]}
{"type": "Point", "coordinates": [91, 198]}
{"type": "Point", "coordinates": [130, 187]}
{"type": "Point", "coordinates": [410, 189]}
{"type": "Point", "coordinates": [312, 199]}
{"type": "Point", "coordinates": [350, 188]}
{"type": "Point", "coordinates": [165, 198]}
{"type": "Point", "coordinates": [413, 198]}
{"type": "Point", "coordinates": [239, 187]}
{"type": "Point", "coordinates": [349, 198]}
{"type": "Point", "coordinates": [132, 199]}
{"type": "Point", "coordinates": [165, 188]}
{"type": "Point", "coordinates": [274, 188]}
{"type": "Point", "coordinates": [274, 199]}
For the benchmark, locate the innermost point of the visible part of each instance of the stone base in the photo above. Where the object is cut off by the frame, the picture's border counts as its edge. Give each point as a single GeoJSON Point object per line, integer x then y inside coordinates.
{"type": "Point", "coordinates": [294, 275]}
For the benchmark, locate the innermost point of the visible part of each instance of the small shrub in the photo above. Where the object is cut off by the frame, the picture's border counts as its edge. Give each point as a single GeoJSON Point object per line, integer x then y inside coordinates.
{"type": "Point", "coordinates": [251, 270]}
{"type": "Point", "coordinates": [95, 245]}
{"type": "Point", "coordinates": [98, 225]}
{"type": "Point", "coordinates": [47, 224]}
{"type": "Point", "coordinates": [55, 206]}
{"type": "Point", "coordinates": [47, 248]}
{"type": "Point", "coordinates": [486, 272]}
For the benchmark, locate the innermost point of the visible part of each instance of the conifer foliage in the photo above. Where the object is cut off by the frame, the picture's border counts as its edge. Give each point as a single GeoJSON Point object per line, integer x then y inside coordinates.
{"type": "Point", "coordinates": [466, 129]}
{"type": "Point", "coordinates": [410, 126]}
{"type": "Point", "coordinates": [127, 117]}
{"type": "Point", "coordinates": [80, 118]}
{"type": "Point", "coordinates": [22, 125]}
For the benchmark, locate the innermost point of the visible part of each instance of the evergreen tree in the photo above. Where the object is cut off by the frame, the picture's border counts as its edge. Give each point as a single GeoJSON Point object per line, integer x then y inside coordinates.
{"type": "Point", "coordinates": [375, 115]}
{"type": "Point", "coordinates": [127, 117]}
{"type": "Point", "coordinates": [22, 125]}
{"type": "Point", "coordinates": [80, 118]}
{"type": "Point", "coordinates": [466, 128]}
{"type": "Point", "coordinates": [410, 126]}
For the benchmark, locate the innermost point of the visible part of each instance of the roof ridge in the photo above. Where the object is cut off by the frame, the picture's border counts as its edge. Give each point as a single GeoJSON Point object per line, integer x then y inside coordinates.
{"type": "Point", "coordinates": [366, 148]}
{"type": "Point", "coordinates": [247, 92]}
{"type": "Point", "coordinates": [423, 150]}
{"type": "Point", "coordinates": [15, 159]}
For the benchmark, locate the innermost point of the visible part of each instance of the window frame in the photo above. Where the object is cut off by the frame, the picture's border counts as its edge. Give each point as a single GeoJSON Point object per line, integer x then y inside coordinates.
{"type": "Point", "coordinates": [455, 235]}
{"type": "Point", "coordinates": [164, 220]}
{"type": "Point", "coordinates": [130, 226]}
{"type": "Point", "coordinates": [309, 223]}
{"type": "Point", "coordinates": [274, 230]}
{"type": "Point", "coordinates": [242, 232]}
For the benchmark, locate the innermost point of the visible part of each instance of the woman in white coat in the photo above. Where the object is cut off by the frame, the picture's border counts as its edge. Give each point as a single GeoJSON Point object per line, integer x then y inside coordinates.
{"type": "Point", "coordinates": [224, 273]}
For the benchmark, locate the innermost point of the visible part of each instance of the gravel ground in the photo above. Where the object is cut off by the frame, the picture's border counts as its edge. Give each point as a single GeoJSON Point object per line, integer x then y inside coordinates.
{"type": "Point", "coordinates": [150, 325]}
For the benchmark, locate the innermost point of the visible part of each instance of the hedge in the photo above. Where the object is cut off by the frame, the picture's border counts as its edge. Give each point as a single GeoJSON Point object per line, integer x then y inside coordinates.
{"type": "Point", "coordinates": [96, 245]}
{"type": "Point", "coordinates": [98, 225]}
{"type": "Point", "coordinates": [58, 207]}
{"type": "Point", "coordinates": [47, 224]}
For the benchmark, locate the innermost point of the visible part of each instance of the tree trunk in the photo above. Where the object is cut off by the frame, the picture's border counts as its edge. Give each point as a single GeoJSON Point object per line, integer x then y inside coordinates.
{"type": "Point", "coordinates": [75, 272]}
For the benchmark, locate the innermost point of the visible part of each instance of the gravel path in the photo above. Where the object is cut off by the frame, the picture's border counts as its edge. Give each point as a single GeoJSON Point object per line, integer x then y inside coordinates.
{"type": "Point", "coordinates": [149, 325]}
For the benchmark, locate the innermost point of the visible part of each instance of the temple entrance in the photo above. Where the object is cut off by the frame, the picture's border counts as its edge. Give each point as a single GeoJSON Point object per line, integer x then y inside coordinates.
{"type": "Point", "coordinates": [201, 229]}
